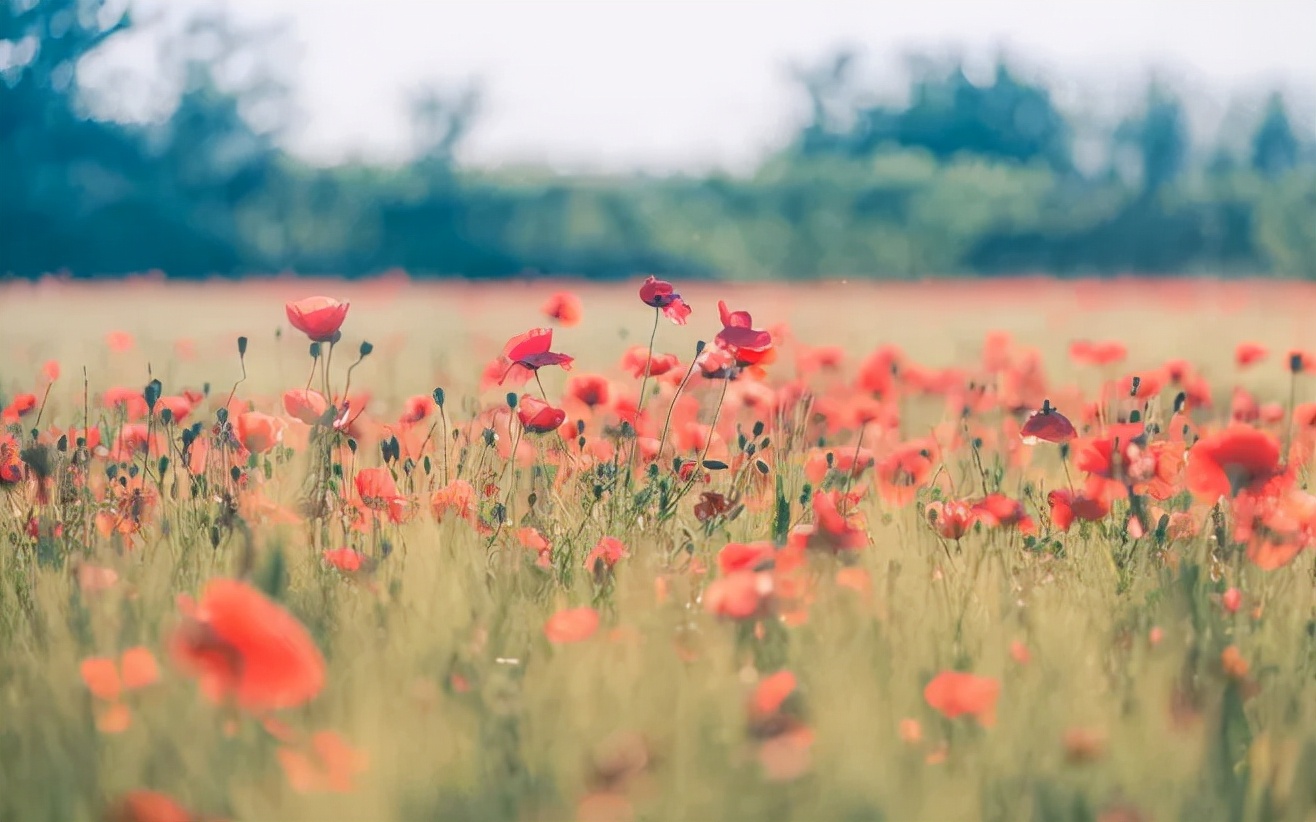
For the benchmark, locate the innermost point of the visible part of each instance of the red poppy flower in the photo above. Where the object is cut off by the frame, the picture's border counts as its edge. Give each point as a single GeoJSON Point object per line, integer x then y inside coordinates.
{"type": "Point", "coordinates": [377, 489]}
{"type": "Point", "coordinates": [998, 510]}
{"type": "Point", "coordinates": [1237, 460]}
{"type": "Point", "coordinates": [607, 551]}
{"type": "Point", "coordinates": [771, 693]}
{"type": "Point", "coordinates": [148, 806]}
{"type": "Point", "coordinates": [738, 334]}
{"type": "Point", "coordinates": [456, 497]}
{"type": "Point", "coordinates": [662, 295]}
{"type": "Point", "coordinates": [831, 530]}
{"type": "Point", "coordinates": [119, 341]}
{"type": "Point", "coordinates": [22, 404]}
{"type": "Point", "coordinates": [416, 408]}
{"type": "Point", "coordinates": [1066, 506]}
{"type": "Point", "coordinates": [956, 693]}
{"type": "Point", "coordinates": [1109, 352]}
{"type": "Point", "coordinates": [563, 307]}
{"type": "Point", "coordinates": [711, 504]}
{"type": "Point", "coordinates": [1048, 425]}
{"type": "Point", "coordinates": [751, 556]}
{"type": "Point", "coordinates": [243, 646]}
{"type": "Point", "coordinates": [589, 389]}
{"type": "Point", "coordinates": [347, 560]}
{"type": "Point", "coordinates": [571, 625]}
{"type": "Point", "coordinates": [636, 360]}
{"type": "Point", "coordinates": [526, 353]}
{"type": "Point", "coordinates": [329, 765]}
{"type": "Point", "coordinates": [317, 317]}
{"type": "Point", "coordinates": [738, 595]}
{"type": "Point", "coordinates": [537, 416]}
{"type": "Point", "coordinates": [952, 519]}
{"type": "Point", "coordinates": [11, 464]}
{"type": "Point", "coordinates": [258, 432]}
{"type": "Point", "coordinates": [1248, 353]}
{"type": "Point", "coordinates": [903, 472]}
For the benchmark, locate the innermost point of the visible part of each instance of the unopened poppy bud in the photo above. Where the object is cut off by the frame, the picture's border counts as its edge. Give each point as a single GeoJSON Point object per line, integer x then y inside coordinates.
{"type": "Point", "coordinates": [490, 436]}
{"type": "Point", "coordinates": [1179, 400]}
{"type": "Point", "coordinates": [699, 347]}
{"type": "Point", "coordinates": [242, 346]}
{"type": "Point", "coordinates": [1137, 383]}
{"type": "Point", "coordinates": [365, 349]}
{"type": "Point", "coordinates": [580, 427]}
{"type": "Point", "coordinates": [511, 399]}
{"type": "Point", "coordinates": [1295, 362]}
{"type": "Point", "coordinates": [315, 351]}
{"type": "Point", "coordinates": [63, 444]}
{"type": "Point", "coordinates": [351, 444]}
{"type": "Point", "coordinates": [222, 415]}
{"type": "Point", "coordinates": [766, 442]}
{"type": "Point", "coordinates": [152, 393]}
{"type": "Point", "coordinates": [761, 466]}
{"type": "Point", "coordinates": [236, 473]}
{"type": "Point", "coordinates": [758, 428]}
{"type": "Point", "coordinates": [205, 389]}
{"type": "Point", "coordinates": [164, 465]}
{"type": "Point", "coordinates": [438, 397]}
{"type": "Point", "coordinates": [1064, 450]}
{"type": "Point", "coordinates": [1135, 416]}
{"type": "Point", "coordinates": [426, 464]}
{"type": "Point", "coordinates": [166, 415]}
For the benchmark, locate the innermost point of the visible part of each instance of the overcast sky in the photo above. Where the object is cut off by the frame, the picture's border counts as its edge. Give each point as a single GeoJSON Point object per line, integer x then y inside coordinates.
{"type": "Point", "coordinates": [664, 84]}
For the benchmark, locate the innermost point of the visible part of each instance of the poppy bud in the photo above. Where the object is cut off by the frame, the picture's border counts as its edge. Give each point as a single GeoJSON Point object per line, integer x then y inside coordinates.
{"type": "Point", "coordinates": [511, 399]}
{"type": "Point", "coordinates": [166, 415]}
{"type": "Point", "coordinates": [315, 351]}
{"type": "Point", "coordinates": [152, 393]}
{"type": "Point", "coordinates": [1133, 390]}
{"type": "Point", "coordinates": [365, 349]}
{"type": "Point", "coordinates": [222, 415]}
{"type": "Point", "coordinates": [1295, 362]}
{"type": "Point", "coordinates": [1179, 401]}
{"type": "Point", "coordinates": [164, 465]}
{"type": "Point", "coordinates": [490, 436]}
{"type": "Point", "coordinates": [761, 466]}
{"type": "Point", "coordinates": [580, 427]}
{"type": "Point", "coordinates": [236, 473]}
{"type": "Point", "coordinates": [766, 442]}
{"type": "Point", "coordinates": [438, 397]}
{"type": "Point", "coordinates": [242, 346]}
{"type": "Point", "coordinates": [699, 347]}
{"type": "Point", "coordinates": [351, 444]}
{"type": "Point", "coordinates": [1135, 416]}
{"type": "Point", "coordinates": [205, 389]}
{"type": "Point", "coordinates": [63, 444]}
{"type": "Point", "coordinates": [427, 464]}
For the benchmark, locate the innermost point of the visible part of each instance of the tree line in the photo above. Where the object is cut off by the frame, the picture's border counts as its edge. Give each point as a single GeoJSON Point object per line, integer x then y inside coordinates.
{"type": "Point", "coordinates": [965, 176]}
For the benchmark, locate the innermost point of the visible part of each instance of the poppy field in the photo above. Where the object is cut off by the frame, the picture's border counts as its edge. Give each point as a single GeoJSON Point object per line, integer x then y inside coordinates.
{"type": "Point", "coordinates": [1000, 550]}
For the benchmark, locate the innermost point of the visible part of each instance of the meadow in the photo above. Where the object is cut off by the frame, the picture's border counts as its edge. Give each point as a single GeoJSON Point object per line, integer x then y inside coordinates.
{"type": "Point", "coordinates": [999, 550]}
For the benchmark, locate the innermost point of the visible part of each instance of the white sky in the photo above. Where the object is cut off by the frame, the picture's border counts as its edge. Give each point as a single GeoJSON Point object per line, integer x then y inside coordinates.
{"type": "Point", "coordinates": [665, 84]}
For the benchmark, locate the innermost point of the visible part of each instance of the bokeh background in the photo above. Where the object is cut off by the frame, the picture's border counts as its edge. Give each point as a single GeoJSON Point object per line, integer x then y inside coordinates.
{"type": "Point", "coordinates": [719, 139]}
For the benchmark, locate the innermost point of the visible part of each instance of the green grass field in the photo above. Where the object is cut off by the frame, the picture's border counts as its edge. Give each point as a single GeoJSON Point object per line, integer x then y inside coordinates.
{"type": "Point", "coordinates": [888, 525]}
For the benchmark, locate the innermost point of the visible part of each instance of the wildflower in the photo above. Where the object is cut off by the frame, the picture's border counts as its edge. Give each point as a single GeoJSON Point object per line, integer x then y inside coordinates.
{"type": "Point", "coordinates": [457, 497]}
{"type": "Point", "coordinates": [537, 416]}
{"type": "Point", "coordinates": [107, 680]}
{"type": "Point", "coordinates": [711, 504]}
{"type": "Point", "coordinates": [1232, 600]}
{"type": "Point", "coordinates": [319, 318]}
{"type": "Point", "coordinates": [956, 693]}
{"type": "Point", "coordinates": [564, 307]}
{"type": "Point", "coordinates": [951, 519]}
{"type": "Point", "coordinates": [526, 353]}
{"type": "Point", "coordinates": [243, 647]}
{"type": "Point", "coordinates": [148, 806]}
{"type": "Point", "coordinates": [1249, 353]}
{"type": "Point", "coordinates": [531, 539]}
{"type": "Point", "coordinates": [770, 693]}
{"type": "Point", "coordinates": [305, 405]}
{"type": "Point", "coordinates": [571, 625]}
{"type": "Point", "coordinates": [738, 556]}
{"type": "Point", "coordinates": [607, 551]}
{"type": "Point", "coordinates": [330, 765]}
{"type": "Point", "coordinates": [738, 336]}
{"type": "Point", "coordinates": [637, 361]}
{"type": "Point", "coordinates": [1048, 425]}
{"type": "Point", "coordinates": [258, 432]}
{"type": "Point", "coordinates": [738, 595]}
{"type": "Point", "coordinates": [1236, 460]}
{"type": "Point", "coordinates": [347, 560]}
{"type": "Point", "coordinates": [662, 295]}
{"type": "Point", "coordinates": [589, 389]}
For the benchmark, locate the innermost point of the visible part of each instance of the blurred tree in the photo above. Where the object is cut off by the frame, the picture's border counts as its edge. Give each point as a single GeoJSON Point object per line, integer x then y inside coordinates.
{"type": "Point", "coordinates": [1159, 136]}
{"type": "Point", "coordinates": [1275, 147]}
{"type": "Point", "coordinates": [54, 162]}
